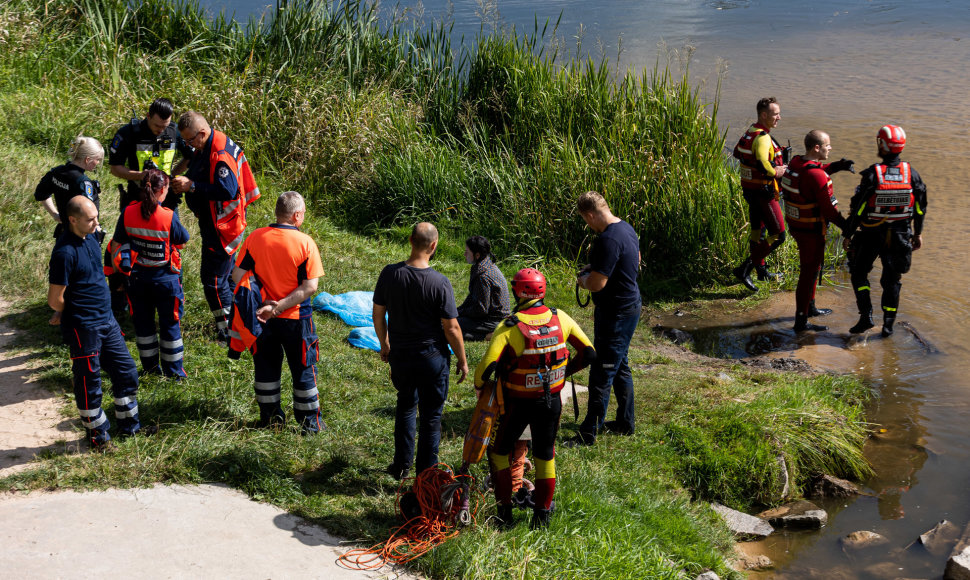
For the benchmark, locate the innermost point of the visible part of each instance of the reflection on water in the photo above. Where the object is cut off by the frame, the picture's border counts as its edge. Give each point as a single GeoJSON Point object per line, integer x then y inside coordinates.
{"type": "Point", "coordinates": [846, 67]}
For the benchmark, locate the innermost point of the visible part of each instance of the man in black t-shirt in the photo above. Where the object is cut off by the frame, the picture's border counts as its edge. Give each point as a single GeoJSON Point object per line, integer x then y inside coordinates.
{"type": "Point", "coordinates": [611, 277]}
{"type": "Point", "coordinates": [151, 142]}
{"type": "Point", "coordinates": [421, 322]}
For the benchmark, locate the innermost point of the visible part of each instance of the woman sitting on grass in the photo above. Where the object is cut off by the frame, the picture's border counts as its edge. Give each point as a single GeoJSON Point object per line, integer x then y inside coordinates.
{"type": "Point", "coordinates": [149, 237]}
{"type": "Point", "coordinates": [487, 303]}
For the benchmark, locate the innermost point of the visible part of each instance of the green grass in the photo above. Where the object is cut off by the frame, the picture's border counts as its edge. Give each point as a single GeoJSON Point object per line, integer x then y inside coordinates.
{"type": "Point", "coordinates": [324, 112]}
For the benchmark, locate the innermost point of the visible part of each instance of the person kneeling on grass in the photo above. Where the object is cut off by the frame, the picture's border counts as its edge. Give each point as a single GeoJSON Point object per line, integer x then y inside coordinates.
{"type": "Point", "coordinates": [487, 303]}
{"type": "Point", "coordinates": [529, 359]}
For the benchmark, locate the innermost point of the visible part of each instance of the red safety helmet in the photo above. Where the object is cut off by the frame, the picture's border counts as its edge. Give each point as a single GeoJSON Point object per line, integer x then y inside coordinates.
{"type": "Point", "coordinates": [529, 283]}
{"type": "Point", "coordinates": [891, 139]}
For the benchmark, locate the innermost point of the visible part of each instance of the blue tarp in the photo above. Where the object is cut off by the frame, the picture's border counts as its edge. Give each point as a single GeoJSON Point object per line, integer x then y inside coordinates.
{"type": "Point", "coordinates": [355, 309]}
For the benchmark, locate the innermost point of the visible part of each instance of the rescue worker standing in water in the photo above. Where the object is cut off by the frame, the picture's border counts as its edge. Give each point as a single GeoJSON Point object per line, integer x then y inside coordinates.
{"type": "Point", "coordinates": [762, 164]}
{"type": "Point", "coordinates": [810, 205]}
{"type": "Point", "coordinates": [888, 208]}
{"type": "Point", "coordinates": [529, 358]}
{"type": "Point", "coordinates": [219, 185]}
{"type": "Point", "coordinates": [148, 237]}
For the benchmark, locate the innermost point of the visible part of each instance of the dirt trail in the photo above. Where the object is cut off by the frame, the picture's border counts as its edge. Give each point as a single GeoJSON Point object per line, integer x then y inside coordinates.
{"type": "Point", "coordinates": [30, 420]}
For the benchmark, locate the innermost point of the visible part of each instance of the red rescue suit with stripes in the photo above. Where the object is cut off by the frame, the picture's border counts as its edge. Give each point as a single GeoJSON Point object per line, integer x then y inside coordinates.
{"type": "Point", "coordinates": [810, 205]}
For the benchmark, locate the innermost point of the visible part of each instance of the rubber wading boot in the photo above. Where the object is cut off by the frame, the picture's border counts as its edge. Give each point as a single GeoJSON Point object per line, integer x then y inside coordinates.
{"type": "Point", "coordinates": [864, 324]}
{"type": "Point", "coordinates": [765, 276]}
{"type": "Point", "coordinates": [887, 324]}
{"type": "Point", "coordinates": [802, 324]}
{"type": "Point", "coordinates": [743, 275]}
{"type": "Point", "coordinates": [504, 517]}
{"type": "Point", "coordinates": [540, 519]}
{"type": "Point", "coordinates": [815, 311]}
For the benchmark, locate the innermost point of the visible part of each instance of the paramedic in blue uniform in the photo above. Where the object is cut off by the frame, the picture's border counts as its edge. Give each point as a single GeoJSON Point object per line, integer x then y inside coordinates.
{"type": "Point", "coordinates": [79, 296]}
{"type": "Point", "coordinates": [287, 263]}
{"type": "Point", "coordinates": [149, 236]}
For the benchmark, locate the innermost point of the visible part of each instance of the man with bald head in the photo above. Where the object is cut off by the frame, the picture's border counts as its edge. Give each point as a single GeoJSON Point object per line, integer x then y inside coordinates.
{"type": "Point", "coordinates": [81, 301]}
{"type": "Point", "coordinates": [422, 320]}
{"type": "Point", "coordinates": [217, 186]}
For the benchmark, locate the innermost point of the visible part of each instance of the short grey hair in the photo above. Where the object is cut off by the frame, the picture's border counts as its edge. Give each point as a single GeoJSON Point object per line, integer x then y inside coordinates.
{"type": "Point", "coordinates": [288, 203]}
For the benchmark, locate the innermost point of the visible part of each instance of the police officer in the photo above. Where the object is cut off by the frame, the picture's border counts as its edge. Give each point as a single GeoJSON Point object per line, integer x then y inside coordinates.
{"type": "Point", "coordinates": [148, 236]}
{"type": "Point", "coordinates": [888, 209]}
{"type": "Point", "coordinates": [762, 164]}
{"type": "Point", "coordinates": [151, 143]}
{"type": "Point", "coordinates": [219, 185]}
{"type": "Point", "coordinates": [79, 296]}
{"type": "Point", "coordinates": [529, 358]}
{"type": "Point", "coordinates": [63, 182]}
{"type": "Point", "coordinates": [287, 263]}
{"type": "Point", "coordinates": [810, 205]}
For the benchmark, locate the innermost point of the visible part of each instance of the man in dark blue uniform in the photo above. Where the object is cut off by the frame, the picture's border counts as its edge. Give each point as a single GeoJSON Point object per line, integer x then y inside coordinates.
{"type": "Point", "coordinates": [218, 177]}
{"type": "Point", "coordinates": [611, 277]}
{"type": "Point", "coordinates": [79, 296]}
{"type": "Point", "coordinates": [151, 143]}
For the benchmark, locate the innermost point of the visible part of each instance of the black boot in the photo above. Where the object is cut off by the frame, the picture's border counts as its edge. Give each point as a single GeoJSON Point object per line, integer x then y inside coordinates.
{"type": "Point", "coordinates": [540, 519]}
{"type": "Point", "coordinates": [765, 276]}
{"type": "Point", "coordinates": [802, 324]}
{"type": "Point", "coordinates": [887, 324]}
{"type": "Point", "coordinates": [864, 324]}
{"type": "Point", "coordinates": [814, 311]}
{"type": "Point", "coordinates": [504, 517]}
{"type": "Point", "coordinates": [743, 275]}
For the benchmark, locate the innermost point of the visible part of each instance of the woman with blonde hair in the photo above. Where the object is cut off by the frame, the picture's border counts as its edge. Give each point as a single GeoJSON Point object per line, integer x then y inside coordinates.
{"type": "Point", "coordinates": [66, 181]}
{"type": "Point", "coordinates": [149, 237]}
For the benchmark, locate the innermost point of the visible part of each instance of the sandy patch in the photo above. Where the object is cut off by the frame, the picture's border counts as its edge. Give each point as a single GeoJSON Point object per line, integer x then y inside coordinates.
{"type": "Point", "coordinates": [29, 419]}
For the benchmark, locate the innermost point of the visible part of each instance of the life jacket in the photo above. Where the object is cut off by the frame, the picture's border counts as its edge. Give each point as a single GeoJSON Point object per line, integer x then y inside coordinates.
{"type": "Point", "coordinates": [753, 175]}
{"type": "Point", "coordinates": [149, 239]}
{"type": "Point", "coordinates": [893, 199]}
{"type": "Point", "coordinates": [244, 327]}
{"type": "Point", "coordinates": [542, 361]}
{"type": "Point", "coordinates": [802, 212]}
{"type": "Point", "coordinates": [229, 217]}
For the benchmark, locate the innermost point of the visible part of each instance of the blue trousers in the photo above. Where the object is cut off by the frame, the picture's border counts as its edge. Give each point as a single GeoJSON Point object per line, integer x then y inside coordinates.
{"type": "Point", "coordinates": [215, 270]}
{"type": "Point", "coordinates": [94, 347]}
{"type": "Point", "coordinates": [612, 333]}
{"type": "Point", "coordinates": [297, 340]}
{"type": "Point", "coordinates": [420, 377]}
{"type": "Point", "coordinates": [152, 290]}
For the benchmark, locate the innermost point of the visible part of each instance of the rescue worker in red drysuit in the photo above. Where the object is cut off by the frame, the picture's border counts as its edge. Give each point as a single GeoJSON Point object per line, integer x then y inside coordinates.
{"type": "Point", "coordinates": [148, 237]}
{"type": "Point", "coordinates": [762, 165]}
{"type": "Point", "coordinates": [287, 264]}
{"type": "Point", "coordinates": [810, 205]}
{"type": "Point", "coordinates": [218, 187]}
{"type": "Point", "coordinates": [888, 208]}
{"type": "Point", "coordinates": [529, 358]}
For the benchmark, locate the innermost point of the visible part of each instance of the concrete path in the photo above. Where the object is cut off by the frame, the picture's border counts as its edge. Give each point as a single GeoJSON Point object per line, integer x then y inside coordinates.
{"type": "Point", "coordinates": [205, 531]}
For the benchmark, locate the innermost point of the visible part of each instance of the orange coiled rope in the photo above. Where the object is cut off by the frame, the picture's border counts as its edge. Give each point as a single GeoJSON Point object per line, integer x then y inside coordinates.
{"type": "Point", "coordinates": [439, 494]}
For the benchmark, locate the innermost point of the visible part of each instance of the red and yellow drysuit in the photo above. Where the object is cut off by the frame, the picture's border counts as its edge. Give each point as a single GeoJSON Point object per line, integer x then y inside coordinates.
{"type": "Point", "coordinates": [758, 155]}
{"type": "Point", "coordinates": [529, 358]}
{"type": "Point", "coordinates": [810, 205]}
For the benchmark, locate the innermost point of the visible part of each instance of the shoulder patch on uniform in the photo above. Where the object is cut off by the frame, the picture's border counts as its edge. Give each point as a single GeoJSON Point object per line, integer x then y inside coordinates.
{"type": "Point", "coordinates": [89, 190]}
{"type": "Point", "coordinates": [116, 142]}
{"type": "Point", "coordinates": [223, 172]}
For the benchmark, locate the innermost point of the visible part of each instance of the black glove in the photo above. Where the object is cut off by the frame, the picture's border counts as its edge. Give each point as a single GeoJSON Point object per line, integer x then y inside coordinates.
{"type": "Point", "coordinates": [840, 165]}
{"type": "Point", "coordinates": [172, 200]}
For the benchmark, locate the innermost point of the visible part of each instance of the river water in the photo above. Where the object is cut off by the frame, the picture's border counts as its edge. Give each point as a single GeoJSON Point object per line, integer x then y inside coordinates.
{"type": "Point", "coordinates": [847, 68]}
